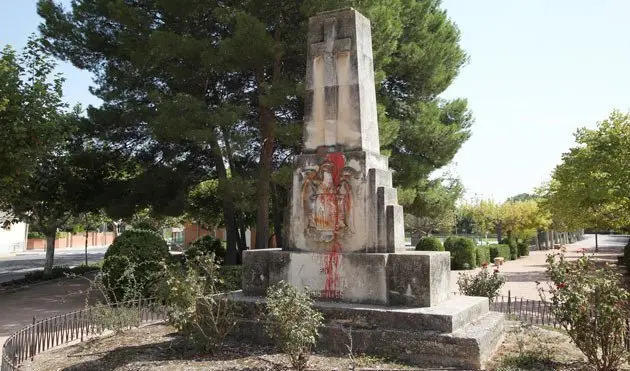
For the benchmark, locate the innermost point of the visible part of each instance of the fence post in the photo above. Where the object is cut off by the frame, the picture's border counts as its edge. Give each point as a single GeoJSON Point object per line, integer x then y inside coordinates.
{"type": "Point", "coordinates": [509, 302]}
{"type": "Point", "coordinates": [33, 339]}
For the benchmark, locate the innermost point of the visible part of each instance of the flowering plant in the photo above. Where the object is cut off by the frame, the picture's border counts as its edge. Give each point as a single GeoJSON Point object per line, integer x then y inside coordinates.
{"type": "Point", "coordinates": [483, 283]}
{"type": "Point", "coordinates": [589, 303]}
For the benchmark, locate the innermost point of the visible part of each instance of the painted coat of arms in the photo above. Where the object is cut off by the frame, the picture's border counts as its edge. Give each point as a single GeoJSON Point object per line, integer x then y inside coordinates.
{"type": "Point", "coordinates": [327, 199]}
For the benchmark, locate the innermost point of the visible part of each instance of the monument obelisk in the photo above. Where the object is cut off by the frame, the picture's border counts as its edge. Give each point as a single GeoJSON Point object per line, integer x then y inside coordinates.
{"type": "Point", "coordinates": [345, 239]}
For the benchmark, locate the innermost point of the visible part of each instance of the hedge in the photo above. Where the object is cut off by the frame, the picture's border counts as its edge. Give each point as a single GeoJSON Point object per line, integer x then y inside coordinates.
{"type": "Point", "coordinates": [523, 249]}
{"type": "Point", "coordinates": [499, 250]}
{"type": "Point", "coordinates": [463, 254]}
{"type": "Point", "coordinates": [429, 244]}
{"type": "Point", "coordinates": [483, 255]}
{"type": "Point", "coordinates": [513, 247]}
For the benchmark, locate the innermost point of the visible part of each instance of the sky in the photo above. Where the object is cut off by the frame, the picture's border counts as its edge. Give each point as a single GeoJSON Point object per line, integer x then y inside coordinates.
{"type": "Point", "coordinates": [538, 71]}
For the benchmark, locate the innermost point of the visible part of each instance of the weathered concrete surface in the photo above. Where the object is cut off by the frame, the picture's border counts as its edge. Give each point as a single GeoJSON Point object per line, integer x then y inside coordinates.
{"type": "Point", "coordinates": [413, 335]}
{"type": "Point", "coordinates": [416, 278]}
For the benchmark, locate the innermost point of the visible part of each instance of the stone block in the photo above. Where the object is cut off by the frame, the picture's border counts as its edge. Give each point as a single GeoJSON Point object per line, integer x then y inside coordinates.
{"type": "Point", "coordinates": [418, 278]}
{"type": "Point", "coordinates": [354, 278]}
{"type": "Point", "coordinates": [408, 334]}
{"type": "Point", "coordinates": [395, 221]}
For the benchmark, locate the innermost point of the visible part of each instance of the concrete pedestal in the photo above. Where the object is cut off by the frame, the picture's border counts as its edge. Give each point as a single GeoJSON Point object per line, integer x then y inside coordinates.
{"type": "Point", "coordinates": [459, 333]}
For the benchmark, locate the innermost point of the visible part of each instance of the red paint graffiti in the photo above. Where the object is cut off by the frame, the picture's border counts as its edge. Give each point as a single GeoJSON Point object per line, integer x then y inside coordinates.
{"type": "Point", "coordinates": [331, 261]}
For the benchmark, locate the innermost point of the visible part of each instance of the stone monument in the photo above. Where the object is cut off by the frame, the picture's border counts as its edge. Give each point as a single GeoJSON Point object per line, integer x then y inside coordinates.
{"type": "Point", "coordinates": [345, 239]}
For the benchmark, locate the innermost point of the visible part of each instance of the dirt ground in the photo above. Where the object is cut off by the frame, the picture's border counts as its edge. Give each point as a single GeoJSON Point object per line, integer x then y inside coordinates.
{"type": "Point", "coordinates": [157, 347]}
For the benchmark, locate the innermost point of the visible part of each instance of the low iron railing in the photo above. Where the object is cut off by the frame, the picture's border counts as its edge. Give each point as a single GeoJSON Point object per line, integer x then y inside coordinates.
{"type": "Point", "coordinates": [79, 325]}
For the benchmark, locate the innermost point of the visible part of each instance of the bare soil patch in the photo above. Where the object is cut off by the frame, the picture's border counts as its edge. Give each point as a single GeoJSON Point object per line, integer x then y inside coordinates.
{"type": "Point", "coordinates": [158, 347]}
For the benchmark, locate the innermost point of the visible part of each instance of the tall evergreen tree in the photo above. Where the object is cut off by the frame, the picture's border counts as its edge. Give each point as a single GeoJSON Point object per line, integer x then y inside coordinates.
{"type": "Point", "coordinates": [198, 87]}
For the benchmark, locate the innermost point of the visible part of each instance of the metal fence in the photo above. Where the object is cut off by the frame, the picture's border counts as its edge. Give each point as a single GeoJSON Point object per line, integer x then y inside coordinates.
{"type": "Point", "coordinates": [78, 325]}
{"type": "Point", "coordinates": [535, 312]}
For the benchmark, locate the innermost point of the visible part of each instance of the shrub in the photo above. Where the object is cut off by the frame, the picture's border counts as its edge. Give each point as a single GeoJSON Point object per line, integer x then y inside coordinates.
{"type": "Point", "coordinates": [231, 277]}
{"type": "Point", "coordinates": [193, 302]}
{"type": "Point", "coordinates": [591, 306]}
{"type": "Point", "coordinates": [144, 226]}
{"type": "Point", "coordinates": [449, 242]}
{"type": "Point", "coordinates": [523, 249]}
{"type": "Point", "coordinates": [483, 255]}
{"type": "Point", "coordinates": [463, 254]}
{"type": "Point", "coordinates": [207, 245]}
{"type": "Point", "coordinates": [292, 322]}
{"type": "Point", "coordinates": [499, 250]}
{"type": "Point", "coordinates": [483, 283]}
{"type": "Point", "coordinates": [135, 255]}
{"type": "Point", "coordinates": [429, 244]}
{"type": "Point", "coordinates": [513, 247]}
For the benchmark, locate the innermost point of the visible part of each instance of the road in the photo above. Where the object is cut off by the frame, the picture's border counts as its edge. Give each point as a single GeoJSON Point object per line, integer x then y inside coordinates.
{"type": "Point", "coordinates": [14, 267]}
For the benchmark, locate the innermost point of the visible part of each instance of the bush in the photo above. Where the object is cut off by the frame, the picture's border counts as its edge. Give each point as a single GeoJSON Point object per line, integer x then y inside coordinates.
{"type": "Point", "coordinates": [207, 245]}
{"type": "Point", "coordinates": [499, 251]}
{"type": "Point", "coordinates": [483, 255]}
{"type": "Point", "coordinates": [513, 247]}
{"type": "Point", "coordinates": [483, 283]}
{"type": "Point", "coordinates": [144, 226]}
{"type": "Point", "coordinates": [523, 249]}
{"type": "Point", "coordinates": [38, 235]}
{"type": "Point", "coordinates": [193, 304]}
{"type": "Point", "coordinates": [591, 306]}
{"type": "Point", "coordinates": [429, 244]}
{"type": "Point", "coordinates": [133, 259]}
{"type": "Point", "coordinates": [231, 277]}
{"type": "Point", "coordinates": [292, 323]}
{"type": "Point", "coordinates": [463, 254]}
{"type": "Point", "coordinates": [449, 243]}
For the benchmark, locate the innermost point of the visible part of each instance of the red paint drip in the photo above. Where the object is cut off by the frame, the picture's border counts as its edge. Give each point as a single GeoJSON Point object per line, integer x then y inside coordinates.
{"type": "Point", "coordinates": [331, 261]}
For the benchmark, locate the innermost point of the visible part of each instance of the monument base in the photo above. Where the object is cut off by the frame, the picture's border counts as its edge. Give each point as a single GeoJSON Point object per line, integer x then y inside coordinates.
{"type": "Point", "coordinates": [411, 278]}
{"type": "Point", "coordinates": [460, 332]}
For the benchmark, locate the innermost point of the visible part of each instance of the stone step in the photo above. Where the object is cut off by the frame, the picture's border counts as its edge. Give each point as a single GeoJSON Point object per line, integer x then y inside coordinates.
{"type": "Point", "coordinates": [468, 348]}
{"type": "Point", "coordinates": [449, 316]}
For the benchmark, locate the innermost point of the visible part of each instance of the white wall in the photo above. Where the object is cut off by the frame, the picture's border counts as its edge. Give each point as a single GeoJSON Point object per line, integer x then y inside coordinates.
{"type": "Point", "coordinates": [13, 239]}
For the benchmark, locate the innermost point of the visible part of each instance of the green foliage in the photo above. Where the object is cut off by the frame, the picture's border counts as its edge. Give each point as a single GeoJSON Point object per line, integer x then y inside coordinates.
{"type": "Point", "coordinates": [499, 250]}
{"type": "Point", "coordinates": [193, 302]}
{"type": "Point", "coordinates": [429, 244]}
{"type": "Point", "coordinates": [292, 322]}
{"type": "Point", "coordinates": [484, 283]}
{"type": "Point", "coordinates": [249, 58]}
{"type": "Point", "coordinates": [483, 255]}
{"type": "Point", "coordinates": [138, 251]}
{"type": "Point", "coordinates": [511, 242]}
{"type": "Point", "coordinates": [207, 245]}
{"type": "Point", "coordinates": [590, 304]}
{"type": "Point", "coordinates": [523, 248]}
{"type": "Point", "coordinates": [463, 253]}
{"type": "Point", "coordinates": [231, 278]}
{"type": "Point", "coordinates": [145, 226]}
{"type": "Point", "coordinates": [37, 235]}
{"type": "Point", "coordinates": [30, 109]}
{"type": "Point", "coordinates": [449, 242]}
{"type": "Point", "coordinates": [584, 190]}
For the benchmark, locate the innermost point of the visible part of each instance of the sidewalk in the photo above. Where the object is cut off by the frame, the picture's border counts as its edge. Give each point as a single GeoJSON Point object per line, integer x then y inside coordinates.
{"type": "Point", "coordinates": [521, 274]}
{"type": "Point", "coordinates": [45, 300]}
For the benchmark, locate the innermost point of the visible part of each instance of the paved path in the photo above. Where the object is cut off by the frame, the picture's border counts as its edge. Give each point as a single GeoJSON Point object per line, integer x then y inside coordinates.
{"type": "Point", "coordinates": [14, 267]}
{"type": "Point", "coordinates": [43, 300]}
{"type": "Point", "coordinates": [521, 275]}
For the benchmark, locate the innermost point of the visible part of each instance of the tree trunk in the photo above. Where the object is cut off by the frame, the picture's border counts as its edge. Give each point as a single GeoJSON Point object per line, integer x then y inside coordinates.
{"type": "Point", "coordinates": [242, 240]}
{"type": "Point", "coordinates": [266, 153]}
{"type": "Point", "coordinates": [50, 252]}
{"type": "Point", "coordinates": [278, 216]}
{"type": "Point", "coordinates": [86, 246]}
{"type": "Point", "coordinates": [596, 243]}
{"type": "Point", "coordinates": [499, 234]}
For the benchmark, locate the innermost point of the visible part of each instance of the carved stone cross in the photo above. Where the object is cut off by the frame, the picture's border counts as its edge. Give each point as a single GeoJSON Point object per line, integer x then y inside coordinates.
{"type": "Point", "coordinates": [340, 106]}
{"type": "Point", "coordinates": [331, 45]}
